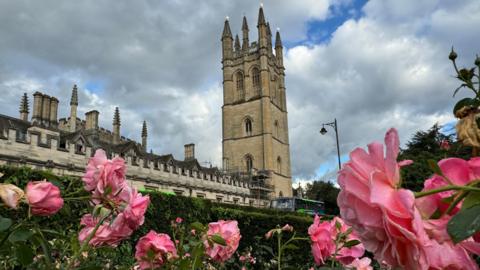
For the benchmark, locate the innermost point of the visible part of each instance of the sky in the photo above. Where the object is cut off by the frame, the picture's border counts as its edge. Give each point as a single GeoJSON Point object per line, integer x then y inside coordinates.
{"type": "Point", "coordinates": [371, 65]}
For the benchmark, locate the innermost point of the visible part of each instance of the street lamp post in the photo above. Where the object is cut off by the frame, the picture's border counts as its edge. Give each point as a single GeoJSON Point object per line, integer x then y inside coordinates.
{"type": "Point", "coordinates": [323, 131]}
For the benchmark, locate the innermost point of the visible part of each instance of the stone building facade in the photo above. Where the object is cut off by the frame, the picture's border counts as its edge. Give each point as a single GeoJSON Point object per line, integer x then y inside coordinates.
{"type": "Point", "coordinates": [65, 145]}
{"type": "Point", "coordinates": [254, 112]}
{"type": "Point", "coordinates": [256, 158]}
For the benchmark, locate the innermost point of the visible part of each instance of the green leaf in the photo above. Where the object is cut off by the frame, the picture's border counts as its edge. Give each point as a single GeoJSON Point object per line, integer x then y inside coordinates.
{"type": "Point", "coordinates": [473, 198]}
{"type": "Point", "coordinates": [20, 235]}
{"type": "Point", "coordinates": [24, 254]}
{"type": "Point", "coordinates": [351, 243]}
{"type": "Point", "coordinates": [434, 166]}
{"type": "Point", "coordinates": [197, 226]}
{"type": "Point", "coordinates": [464, 224]}
{"type": "Point", "coordinates": [218, 239]}
{"type": "Point", "coordinates": [74, 244]}
{"type": "Point", "coordinates": [5, 223]}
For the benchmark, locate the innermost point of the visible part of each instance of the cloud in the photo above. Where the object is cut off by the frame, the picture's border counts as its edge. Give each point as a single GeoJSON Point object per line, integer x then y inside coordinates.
{"type": "Point", "coordinates": [160, 62]}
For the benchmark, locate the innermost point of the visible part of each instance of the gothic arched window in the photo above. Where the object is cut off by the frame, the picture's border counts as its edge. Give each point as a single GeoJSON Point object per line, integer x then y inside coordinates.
{"type": "Point", "coordinates": [249, 163]}
{"type": "Point", "coordinates": [248, 127]}
{"type": "Point", "coordinates": [256, 80]}
{"type": "Point", "coordinates": [240, 88]}
{"type": "Point", "coordinates": [279, 165]}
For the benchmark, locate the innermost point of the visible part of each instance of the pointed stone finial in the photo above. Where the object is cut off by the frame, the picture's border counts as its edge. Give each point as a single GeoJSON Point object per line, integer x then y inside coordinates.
{"type": "Point", "coordinates": [116, 117]}
{"type": "Point", "coordinates": [269, 31]}
{"type": "Point", "coordinates": [144, 129]}
{"type": "Point", "coordinates": [244, 24]}
{"type": "Point", "coordinates": [278, 40]}
{"type": "Point", "coordinates": [237, 43]}
{"type": "Point", "coordinates": [227, 33]}
{"type": "Point", "coordinates": [24, 104]}
{"type": "Point", "coordinates": [261, 17]}
{"type": "Point", "coordinates": [74, 99]}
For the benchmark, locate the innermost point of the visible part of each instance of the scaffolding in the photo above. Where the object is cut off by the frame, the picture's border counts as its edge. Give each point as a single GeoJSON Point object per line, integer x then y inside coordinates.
{"type": "Point", "coordinates": [258, 182]}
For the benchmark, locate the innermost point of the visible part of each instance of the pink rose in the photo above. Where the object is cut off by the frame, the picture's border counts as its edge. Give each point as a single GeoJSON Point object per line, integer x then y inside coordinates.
{"type": "Point", "coordinates": [229, 231]}
{"type": "Point", "coordinates": [178, 220]}
{"type": "Point", "coordinates": [104, 175]}
{"type": "Point", "coordinates": [11, 195]}
{"type": "Point", "coordinates": [107, 234]}
{"type": "Point", "coordinates": [154, 249]}
{"type": "Point", "coordinates": [287, 228]}
{"type": "Point", "coordinates": [445, 145]}
{"type": "Point", "coordinates": [135, 210]}
{"type": "Point", "coordinates": [43, 197]}
{"type": "Point", "coordinates": [361, 264]}
{"type": "Point", "coordinates": [321, 235]}
{"type": "Point", "coordinates": [385, 217]}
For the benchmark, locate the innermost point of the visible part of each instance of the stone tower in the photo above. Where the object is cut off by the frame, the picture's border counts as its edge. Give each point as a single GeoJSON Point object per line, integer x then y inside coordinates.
{"type": "Point", "coordinates": [24, 107]}
{"type": "Point", "coordinates": [254, 112]}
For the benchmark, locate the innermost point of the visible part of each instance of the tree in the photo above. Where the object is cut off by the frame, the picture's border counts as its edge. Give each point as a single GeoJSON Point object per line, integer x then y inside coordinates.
{"type": "Point", "coordinates": [424, 146]}
{"type": "Point", "coordinates": [326, 192]}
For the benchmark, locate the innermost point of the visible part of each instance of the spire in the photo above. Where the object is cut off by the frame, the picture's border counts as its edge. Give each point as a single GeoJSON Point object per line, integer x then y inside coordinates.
{"type": "Point", "coordinates": [24, 104]}
{"type": "Point", "coordinates": [261, 17]}
{"type": "Point", "coordinates": [116, 117]}
{"type": "Point", "coordinates": [244, 24]}
{"type": "Point", "coordinates": [74, 99]}
{"type": "Point", "coordinates": [144, 129]}
{"type": "Point", "coordinates": [278, 40]}
{"type": "Point", "coordinates": [245, 42]}
{"type": "Point", "coordinates": [227, 33]}
{"type": "Point", "coordinates": [269, 31]}
{"type": "Point", "coordinates": [237, 44]}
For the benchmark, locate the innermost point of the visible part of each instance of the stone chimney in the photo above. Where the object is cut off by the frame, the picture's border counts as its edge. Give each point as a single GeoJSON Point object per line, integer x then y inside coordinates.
{"type": "Point", "coordinates": [189, 151]}
{"type": "Point", "coordinates": [116, 126]}
{"type": "Point", "coordinates": [37, 108]}
{"type": "Point", "coordinates": [91, 120]}
{"type": "Point", "coordinates": [46, 110]}
{"type": "Point", "coordinates": [24, 107]}
{"type": "Point", "coordinates": [53, 111]}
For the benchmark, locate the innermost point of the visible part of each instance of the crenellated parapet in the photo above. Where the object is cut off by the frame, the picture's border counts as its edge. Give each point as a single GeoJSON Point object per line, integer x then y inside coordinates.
{"type": "Point", "coordinates": [66, 155]}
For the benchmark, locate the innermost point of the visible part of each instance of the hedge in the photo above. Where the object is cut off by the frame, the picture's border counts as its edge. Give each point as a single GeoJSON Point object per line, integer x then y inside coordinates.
{"type": "Point", "coordinates": [253, 222]}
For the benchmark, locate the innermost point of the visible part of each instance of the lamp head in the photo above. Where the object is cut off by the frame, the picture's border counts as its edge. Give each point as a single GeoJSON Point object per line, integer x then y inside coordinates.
{"type": "Point", "coordinates": [323, 130]}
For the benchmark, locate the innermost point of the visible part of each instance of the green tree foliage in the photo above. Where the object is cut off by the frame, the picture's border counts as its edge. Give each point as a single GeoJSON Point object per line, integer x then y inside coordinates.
{"type": "Point", "coordinates": [326, 192]}
{"type": "Point", "coordinates": [423, 146]}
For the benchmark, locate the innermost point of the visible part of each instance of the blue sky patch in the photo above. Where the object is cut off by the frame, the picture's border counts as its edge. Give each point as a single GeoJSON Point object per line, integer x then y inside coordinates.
{"type": "Point", "coordinates": [321, 31]}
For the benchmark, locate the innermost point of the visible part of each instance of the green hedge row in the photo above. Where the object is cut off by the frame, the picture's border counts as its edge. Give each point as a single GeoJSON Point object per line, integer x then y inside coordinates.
{"type": "Point", "coordinates": [253, 222]}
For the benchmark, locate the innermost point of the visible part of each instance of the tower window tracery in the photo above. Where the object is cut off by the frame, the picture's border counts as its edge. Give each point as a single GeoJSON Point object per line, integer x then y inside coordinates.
{"type": "Point", "coordinates": [248, 163]}
{"type": "Point", "coordinates": [256, 80]}
{"type": "Point", "coordinates": [240, 86]}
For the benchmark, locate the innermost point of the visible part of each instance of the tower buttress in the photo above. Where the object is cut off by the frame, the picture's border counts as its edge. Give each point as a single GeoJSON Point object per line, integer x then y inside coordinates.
{"type": "Point", "coordinates": [116, 126]}
{"type": "Point", "coordinates": [24, 107]}
{"type": "Point", "coordinates": [73, 109]}
{"type": "Point", "coordinates": [144, 136]}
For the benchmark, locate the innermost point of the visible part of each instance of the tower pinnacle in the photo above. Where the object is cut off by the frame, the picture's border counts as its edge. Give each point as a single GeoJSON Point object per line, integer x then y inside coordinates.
{"type": "Point", "coordinates": [116, 117]}
{"type": "Point", "coordinates": [237, 44]}
{"type": "Point", "coordinates": [24, 104]}
{"type": "Point", "coordinates": [261, 16]}
{"type": "Point", "coordinates": [278, 40]}
{"type": "Point", "coordinates": [144, 129]}
{"type": "Point", "coordinates": [74, 99]}
{"type": "Point", "coordinates": [227, 33]}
